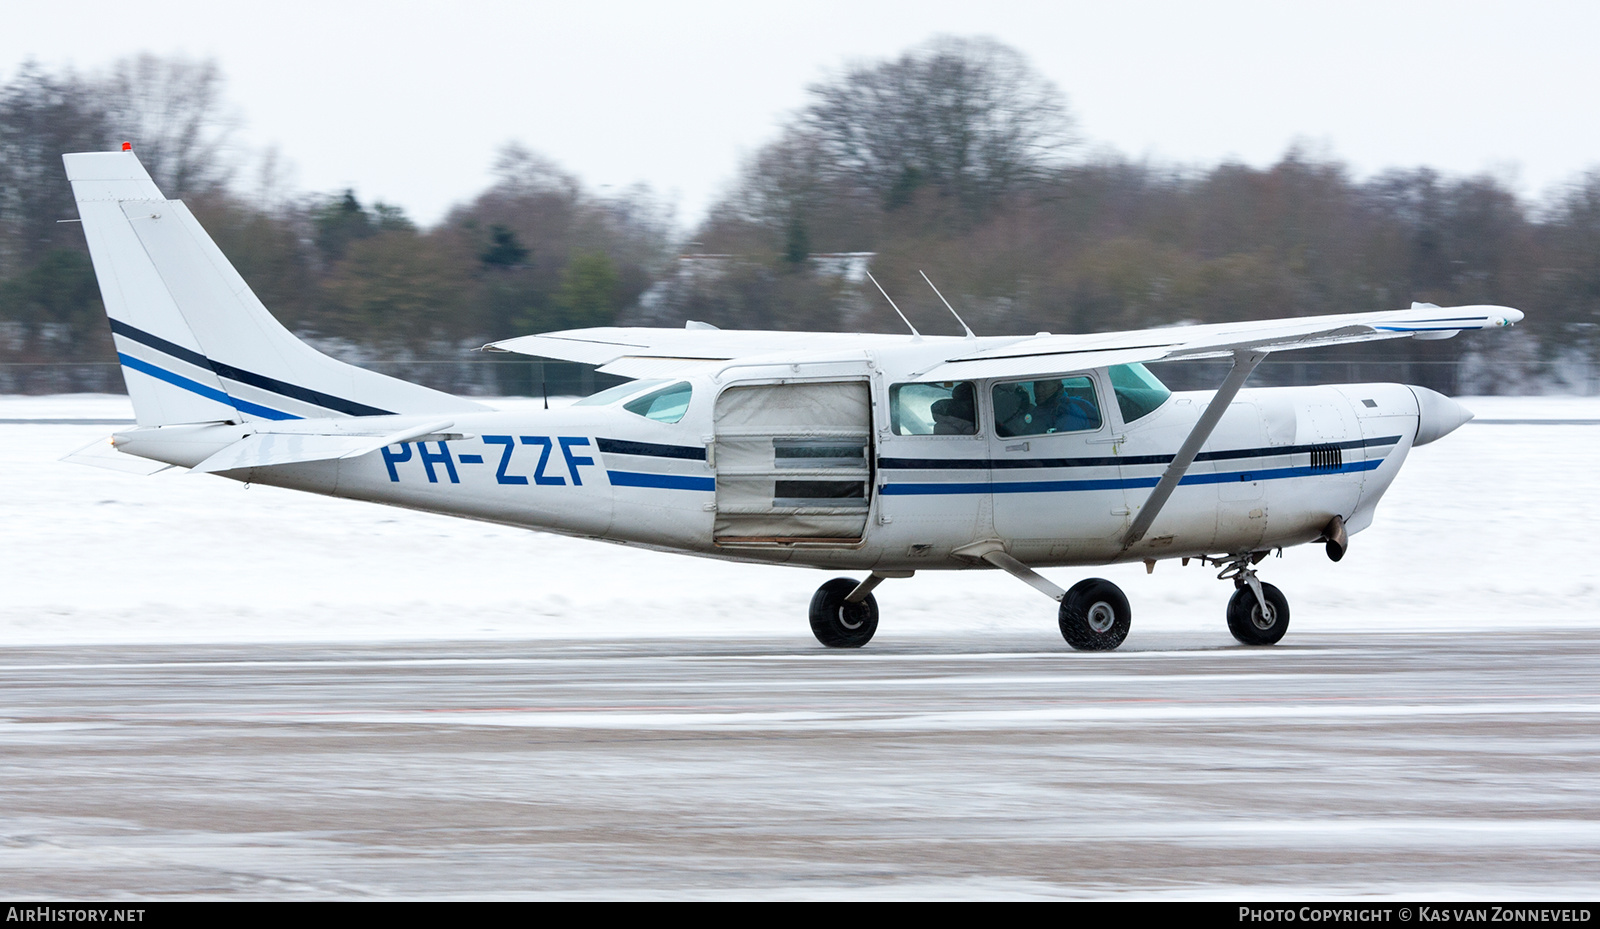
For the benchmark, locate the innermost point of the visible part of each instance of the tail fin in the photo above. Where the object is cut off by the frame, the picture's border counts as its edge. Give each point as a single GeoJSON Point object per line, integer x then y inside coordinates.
{"type": "Point", "coordinates": [195, 343]}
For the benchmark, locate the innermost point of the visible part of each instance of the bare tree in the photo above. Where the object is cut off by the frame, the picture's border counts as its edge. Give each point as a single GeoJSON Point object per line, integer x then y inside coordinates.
{"type": "Point", "coordinates": [172, 109]}
{"type": "Point", "coordinates": [41, 116]}
{"type": "Point", "coordinates": [521, 172]}
{"type": "Point", "coordinates": [966, 116]}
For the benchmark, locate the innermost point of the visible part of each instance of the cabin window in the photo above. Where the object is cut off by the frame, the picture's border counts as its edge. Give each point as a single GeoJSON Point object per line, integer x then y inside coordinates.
{"type": "Point", "coordinates": [1057, 404]}
{"type": "Point", "coordinates": [1138, 391]}
{"type": "Point", "coordinates": [613, 394]}
{"type": "Point", "coordinates": [819, 453]}
{"type": "Point", "coordinates": [852, 494]}
{"type": "Point", "coordinates": [666, 405]}
{"type": "Point", "coordinates": [946, 408]}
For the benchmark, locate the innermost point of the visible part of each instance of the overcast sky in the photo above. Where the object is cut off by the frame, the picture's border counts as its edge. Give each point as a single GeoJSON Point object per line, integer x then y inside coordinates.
{"type": "Point", "coordinates": [408, 101]}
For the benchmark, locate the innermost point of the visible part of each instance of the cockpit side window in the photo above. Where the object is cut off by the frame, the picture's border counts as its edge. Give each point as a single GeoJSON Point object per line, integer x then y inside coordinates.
{"type": "Point", "coordinates": [945, 408]}
{"type": "Point", "coordinates": [666, 405]}
{"type": "Point", "coordinates": [1138, 391]}
{"type": "Point", "coordinates": [1057, 404]}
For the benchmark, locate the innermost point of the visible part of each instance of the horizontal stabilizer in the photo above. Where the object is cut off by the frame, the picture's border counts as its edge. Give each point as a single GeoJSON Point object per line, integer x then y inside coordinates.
{"type": "Point", "coordinates": [102, 454]}
{"type": "Point", "coordinates": [265, 449]}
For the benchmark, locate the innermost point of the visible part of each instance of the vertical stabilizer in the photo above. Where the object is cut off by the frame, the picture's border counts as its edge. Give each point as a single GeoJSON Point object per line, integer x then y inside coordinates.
{"type": "Point", "coordinates": [194, 342]}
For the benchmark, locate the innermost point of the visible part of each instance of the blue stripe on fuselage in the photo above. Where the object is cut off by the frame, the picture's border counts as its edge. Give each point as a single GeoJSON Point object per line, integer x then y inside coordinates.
{"type": "Point", "coordinates": [661, 481]}
{"type": "Point", "coordinates": [1040, 487]}
{"type": "Point", "coordinates": [1112, 461]}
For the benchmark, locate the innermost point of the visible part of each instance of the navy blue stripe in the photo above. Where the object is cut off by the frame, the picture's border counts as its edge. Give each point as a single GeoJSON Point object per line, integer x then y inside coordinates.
{"type": "Point", "coordinates": [665, 481]}
{"type": "Point", "coordinates": [1035, 487]}
{"type": "Point", "coordinates": [260, 381]}
{"type": "Point", "coordinates": [624, 447]}
{"type": "Point", "coordinates": [161, 345]}
{"type": "Point", "coordinates": [296, 392]}
{"type": "Point", "coordinates": [210, 393]}
{"type": "Point", "coordinates": [1231, 454]}
{"type": "Point", "coordinates": [982, 464]}
{"type": "Point", "coordinates": [917, 490]}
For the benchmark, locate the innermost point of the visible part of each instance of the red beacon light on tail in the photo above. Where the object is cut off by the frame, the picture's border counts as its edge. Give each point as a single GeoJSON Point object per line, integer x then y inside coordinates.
{"type": "Point", "coordinates": [127, 146]}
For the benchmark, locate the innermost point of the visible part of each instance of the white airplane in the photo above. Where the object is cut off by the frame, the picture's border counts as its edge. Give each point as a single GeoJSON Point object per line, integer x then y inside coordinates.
{"type": "Point", "coordinates": [881, 454]}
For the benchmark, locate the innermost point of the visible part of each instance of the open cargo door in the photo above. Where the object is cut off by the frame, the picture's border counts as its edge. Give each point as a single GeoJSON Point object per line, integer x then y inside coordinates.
{"type": "Point", "coordinates": [793, 462]}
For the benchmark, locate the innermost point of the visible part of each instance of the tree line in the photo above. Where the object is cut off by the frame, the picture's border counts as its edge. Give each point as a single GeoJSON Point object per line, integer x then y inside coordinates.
{"type": "Point", "coordinates": [955, 158]}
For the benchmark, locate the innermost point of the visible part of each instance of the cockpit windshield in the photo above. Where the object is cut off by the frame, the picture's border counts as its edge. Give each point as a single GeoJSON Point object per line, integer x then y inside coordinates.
{"type": "Point", "coordinates": [1138, 391]}
{"type": "Point", "coordinates": [664, 404]}
{"type": "Point", "coordinates": [612, 394]}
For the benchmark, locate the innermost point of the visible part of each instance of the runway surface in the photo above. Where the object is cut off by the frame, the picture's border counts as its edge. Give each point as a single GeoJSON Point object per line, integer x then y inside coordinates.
{"type": "Point", "coordinates": [1332, 765]}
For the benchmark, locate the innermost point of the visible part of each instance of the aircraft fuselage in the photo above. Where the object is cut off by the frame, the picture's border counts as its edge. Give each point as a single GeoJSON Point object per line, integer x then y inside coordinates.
{"type": "Point", "coordinates": [1279, 465]}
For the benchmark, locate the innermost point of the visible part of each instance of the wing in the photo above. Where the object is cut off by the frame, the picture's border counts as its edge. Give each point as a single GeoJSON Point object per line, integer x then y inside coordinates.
{"type": "Point", "coordinates": [1046, 354]}
{"type": "Point", "coordinates": [644, 352]}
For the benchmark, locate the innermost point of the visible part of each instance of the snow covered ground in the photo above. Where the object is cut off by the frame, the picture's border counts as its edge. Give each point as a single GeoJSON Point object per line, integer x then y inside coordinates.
{"type": "Point", "coordinates": [1491, 527]}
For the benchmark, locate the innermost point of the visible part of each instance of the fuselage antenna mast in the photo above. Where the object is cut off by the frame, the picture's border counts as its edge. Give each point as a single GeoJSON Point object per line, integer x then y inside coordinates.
{"type": "Point", "coordinates": [914, 333]}
{"type": "Point", "coordinates": [947, 306]}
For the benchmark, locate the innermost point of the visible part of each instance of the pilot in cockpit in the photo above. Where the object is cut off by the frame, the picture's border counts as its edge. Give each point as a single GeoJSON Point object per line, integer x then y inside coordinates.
{"type": "Point", "coordinates": [1053, 409]}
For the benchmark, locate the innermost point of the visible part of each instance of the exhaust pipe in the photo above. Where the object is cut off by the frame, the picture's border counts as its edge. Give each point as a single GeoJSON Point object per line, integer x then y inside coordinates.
{"type": "Point", "coordinates": [1338, 542]}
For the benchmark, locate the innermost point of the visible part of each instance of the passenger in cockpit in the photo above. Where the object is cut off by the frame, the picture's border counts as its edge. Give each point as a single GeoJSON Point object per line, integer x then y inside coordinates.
{"type": "Point", "coordinates": [959, 414]}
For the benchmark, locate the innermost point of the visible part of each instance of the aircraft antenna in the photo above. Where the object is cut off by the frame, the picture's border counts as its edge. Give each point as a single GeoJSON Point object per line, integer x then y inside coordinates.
{"type": "Point", "coordinates": [914, 333]}
{"type": "Point", "coordinates": [970, 333]}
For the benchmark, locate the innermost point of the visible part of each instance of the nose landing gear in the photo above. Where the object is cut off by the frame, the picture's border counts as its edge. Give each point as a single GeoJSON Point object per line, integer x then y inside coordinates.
{"type": "Point", "coordinates": [1258, 613]}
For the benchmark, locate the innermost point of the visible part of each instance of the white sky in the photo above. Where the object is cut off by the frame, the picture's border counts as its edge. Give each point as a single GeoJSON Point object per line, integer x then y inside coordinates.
{"type": "Point", "coordinates": [408, 101]}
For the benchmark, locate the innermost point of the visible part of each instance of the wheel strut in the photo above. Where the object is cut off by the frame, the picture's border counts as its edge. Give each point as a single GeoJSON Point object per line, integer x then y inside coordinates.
{"type": "Point", "coordinates": [1242, 572]}
{"type": "Point", "coordinates": [1258, 613]}
{"type": "Point", "coordinates": [871, 581]}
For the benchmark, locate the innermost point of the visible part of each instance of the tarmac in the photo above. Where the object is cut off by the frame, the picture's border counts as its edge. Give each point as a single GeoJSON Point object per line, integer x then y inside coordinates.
{"type": "Point", "coordinates": [996, 766]}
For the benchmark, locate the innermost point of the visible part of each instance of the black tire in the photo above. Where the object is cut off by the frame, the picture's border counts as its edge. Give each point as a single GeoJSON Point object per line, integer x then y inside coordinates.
{"type": "Point", "coordinates": [838, 624]}
{"type": "Point", "coordinates": [1246, 622]}
{"type": "Point", "coordinates": [1095, 616]}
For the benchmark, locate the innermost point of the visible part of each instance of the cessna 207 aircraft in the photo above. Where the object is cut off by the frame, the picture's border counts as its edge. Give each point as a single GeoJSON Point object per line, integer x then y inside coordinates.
{"type": "Point", "coordinates": [882, 455]}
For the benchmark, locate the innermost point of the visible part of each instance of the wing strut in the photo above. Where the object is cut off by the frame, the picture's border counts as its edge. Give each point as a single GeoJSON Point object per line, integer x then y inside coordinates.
{"type": "Point", "coordinates": [1244, 362]}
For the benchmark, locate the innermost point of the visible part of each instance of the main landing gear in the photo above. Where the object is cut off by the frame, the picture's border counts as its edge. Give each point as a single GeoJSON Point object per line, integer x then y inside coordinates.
{"type": "Point", "coordinates": [844, 614]}
{"type": "Point", "coordinates": [1095, 615]}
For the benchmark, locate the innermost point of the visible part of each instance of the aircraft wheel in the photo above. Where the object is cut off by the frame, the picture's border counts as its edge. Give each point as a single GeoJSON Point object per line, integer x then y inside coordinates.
{"type": "Point", "coordinates": [1246, 621]}
{"type": "Point", "coordinates": [1095, 615]}
{"type": "Point", "coordinates": [838, 624]}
